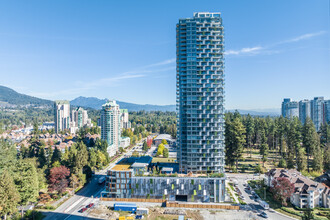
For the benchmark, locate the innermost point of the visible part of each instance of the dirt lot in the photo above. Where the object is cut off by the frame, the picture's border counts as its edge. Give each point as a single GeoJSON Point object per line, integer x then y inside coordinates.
{"type": "Point", "coordinates": [173, 214]}
{"type": "Point", "coordinates": [103, 212]}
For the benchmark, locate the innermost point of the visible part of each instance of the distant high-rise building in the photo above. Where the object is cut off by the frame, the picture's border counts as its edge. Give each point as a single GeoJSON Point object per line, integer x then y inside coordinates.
{"type": "Point", "coordinates": [285, 101]}
{"type": "Point", "coordinates": [327, 110]}
{"type": "Point", "coordinates": [111, 126]}
{"type": "Point", "coordinates": [79, 118]}
{"type": "Point", "coordinates": [304, 110]}
{"type": "Point", "coordinates": [290, 108]}
{"type": "Point", "coordinates": [200, 93]}
{"type": "Point", "coordinates": [124, 119]}
{"type": "Point", "coordinates": [318, 112]}
{"type": "Point", "coordinates": [61, 115]}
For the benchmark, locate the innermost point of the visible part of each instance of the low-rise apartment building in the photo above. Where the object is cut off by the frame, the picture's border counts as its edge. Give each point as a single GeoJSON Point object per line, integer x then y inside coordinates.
{"type": "Point", "coordinates": [136, 180]}
{"type": "Point", "coordinates": [307, 193]}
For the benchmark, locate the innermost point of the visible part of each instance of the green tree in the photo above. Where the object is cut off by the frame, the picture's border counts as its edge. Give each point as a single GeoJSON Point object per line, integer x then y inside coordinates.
{"type": "Point", "coordinates": [92, 157]}
{"type": "Point", "coordinates": [282, 163]}
{"type": "Point", "coordinates": [301, 160]}
{"type": "Point", "coordinates": [310, 139]}
{"type": "Point", "coordinates": [101, 159]}
{"type": "Point", "coordinates": [164, 142]}
{"type": "Point", "coordinates": [293, 141]}
{"type": "Point", "coordinates": [35, 128]}
{"type": "Point", "coordinates": [234, 139]}
{"type": "Point", "coordinates": [165, 152]}
{"type": "Point", "coordinates": [160, 149]}
{"type": "Point", "coordinates": [8, 154]}
{"type": "Point", "coordinates": [26, 180]}
{"type": "Point", "coordinates": [9, 197]}
{"type": "Point", "coordinates": [42, 159]}
{"type": "Point", "coordinates": [325, 134]}
{"type": "Point", "coordinates": [317, 163]}
{"type": "Point", "coordinates": [249, 125]}
{"type": "Point", "coordinates": [81, 157]}
{"type": "Point", "coordinates": [327, 157]}
{"type": "Point", "coordinates": [145, 146]}
{"type": "Point", "coordinates": [57, 154]}
{"type": "Point", "coordinates": [49, 153]}
{"type": "Point", "coordinates": [308, 215]}
{"type": "Point", "coordinates": [264, 150]}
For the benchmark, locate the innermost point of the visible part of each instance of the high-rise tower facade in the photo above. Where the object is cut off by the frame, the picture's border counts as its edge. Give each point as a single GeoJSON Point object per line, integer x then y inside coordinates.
{"type": "Point", "coordinates": [318, 112]}
{"type": "Point", "coordinates": [200, 93]}
{"type": "Point", "coordinates": [304, 110]}
{"type": "Point", "coordinates": [290, 108]}
{"type": "Point", "coordinates": [110, 126]}
{"type": "Point", "coordinates": [61, 115]}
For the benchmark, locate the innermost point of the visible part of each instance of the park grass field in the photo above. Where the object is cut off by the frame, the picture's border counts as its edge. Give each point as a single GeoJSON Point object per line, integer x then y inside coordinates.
{"type": "Point", "coordinates": [251, 158]}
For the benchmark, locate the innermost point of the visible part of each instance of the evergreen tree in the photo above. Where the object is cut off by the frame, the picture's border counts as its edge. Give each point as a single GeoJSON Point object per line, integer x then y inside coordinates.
{"type": "Point", "coordinates": [35, 128]}
{"type": "Point", "coordinates": [293, 141]}
{"type": "Point", "coordinates": [42, 157]}
{"type": "Point", "coordinates": [301, 160]}
{"type": "Point", "coordinates": [49, 154]}
{"type": "Point", "coordinates": [309, 139]}
{"type": "Point", "coordinates": [57, 154]}
{"type": "Point", "coordinates": [81, 157]}
{"type": "Point", "coordinates": [26, 180]}
{"type": "Point", "coordinates": [317, 163]}
{"type": "Point", "coordinates": [264, 150]}
{"type": "Point", "coordinates": [327, 157]}
{"type": "Point", "coordinates": [249, 125]}
{"type": "Point", "coordinates": [234, 139]}
{"type": "Point", "coordinates": [325, 134]}
{"type": "Point", "coordinates": [9, 197]}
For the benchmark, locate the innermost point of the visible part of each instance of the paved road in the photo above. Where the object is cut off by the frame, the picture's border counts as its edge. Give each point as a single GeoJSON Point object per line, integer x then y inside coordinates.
{"type": "Point", "coordinates": [252, 204]}
{"type": "Point", "coordinates": [69, 209]}
{"type": "Point", "coordinates": [89, 194]}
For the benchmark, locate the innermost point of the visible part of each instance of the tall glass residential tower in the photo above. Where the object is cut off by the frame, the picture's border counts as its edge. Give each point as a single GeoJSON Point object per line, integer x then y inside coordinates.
{"type": "Point", "coordinates": [200, 93]}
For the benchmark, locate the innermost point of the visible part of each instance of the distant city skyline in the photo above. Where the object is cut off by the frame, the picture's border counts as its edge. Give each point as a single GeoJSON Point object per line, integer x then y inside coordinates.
{"type": "Point", "coordinates": [317, 109]}
{"type": "Point", "coordinates": [126, 51]}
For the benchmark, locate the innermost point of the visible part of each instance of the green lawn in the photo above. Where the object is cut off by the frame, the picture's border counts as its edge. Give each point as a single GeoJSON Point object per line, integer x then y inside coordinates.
{"type": "Point", "coordinates": [251, 159]}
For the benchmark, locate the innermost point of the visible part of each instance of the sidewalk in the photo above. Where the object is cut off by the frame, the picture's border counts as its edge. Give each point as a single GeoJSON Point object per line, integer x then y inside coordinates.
{"type": "Point", "coordinates": [232, 193]}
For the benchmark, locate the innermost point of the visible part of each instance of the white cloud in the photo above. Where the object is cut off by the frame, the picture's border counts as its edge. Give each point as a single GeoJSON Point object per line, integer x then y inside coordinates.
{"type": "Point", "coordinates": [114, 80]}
{"type": "Point", "coordinates": [165, 62]}
{"type": "Point", "coordinates": [247, 50]}
{"type": "Point", "coordinates": [304, 37]}
{"type": "Point", "coordinates": [265, 49]}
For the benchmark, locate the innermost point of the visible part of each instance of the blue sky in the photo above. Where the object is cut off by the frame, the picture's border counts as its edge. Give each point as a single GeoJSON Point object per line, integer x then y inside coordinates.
{"type": "Point", "coordinates": [125, 50]}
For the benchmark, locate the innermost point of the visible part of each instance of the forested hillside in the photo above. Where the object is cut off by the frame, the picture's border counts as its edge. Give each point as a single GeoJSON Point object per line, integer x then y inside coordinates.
{"type": "Point", "coordinates": [12, 97]}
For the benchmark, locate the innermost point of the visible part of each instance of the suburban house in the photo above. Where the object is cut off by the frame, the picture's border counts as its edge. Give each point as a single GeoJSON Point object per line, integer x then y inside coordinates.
{"type": "Point", "coordinates": [307, 193]}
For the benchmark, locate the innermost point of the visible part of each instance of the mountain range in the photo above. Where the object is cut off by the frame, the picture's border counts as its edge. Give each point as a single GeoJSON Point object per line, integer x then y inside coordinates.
{"type": "Point", "coordinates": [96, 103]}
{"type": "Point", "coordinates": [11, 98]}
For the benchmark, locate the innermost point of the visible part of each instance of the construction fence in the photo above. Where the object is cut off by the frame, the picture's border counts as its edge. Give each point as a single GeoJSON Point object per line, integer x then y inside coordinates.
{"type": "Point", "coordinates": [174, 204]}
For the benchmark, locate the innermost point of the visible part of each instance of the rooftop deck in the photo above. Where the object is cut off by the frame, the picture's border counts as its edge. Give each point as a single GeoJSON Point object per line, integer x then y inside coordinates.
{"type": "Point", "coordinates": [121, 167]}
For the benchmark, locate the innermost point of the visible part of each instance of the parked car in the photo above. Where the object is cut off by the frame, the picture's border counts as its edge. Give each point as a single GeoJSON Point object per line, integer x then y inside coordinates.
{"type": "Point", "coordinates": [263, 214]}
{"type": "Point", "coordinates": [139, 217]}
{"type": "Point", "coordinates": [90, 205]}
{"type": "Point", "coordinates": [83, 210]}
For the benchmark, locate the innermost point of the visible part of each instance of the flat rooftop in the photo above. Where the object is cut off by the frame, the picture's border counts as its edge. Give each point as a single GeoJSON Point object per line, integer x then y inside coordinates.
{"type": "Point", "coordinates": [121, 167]}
